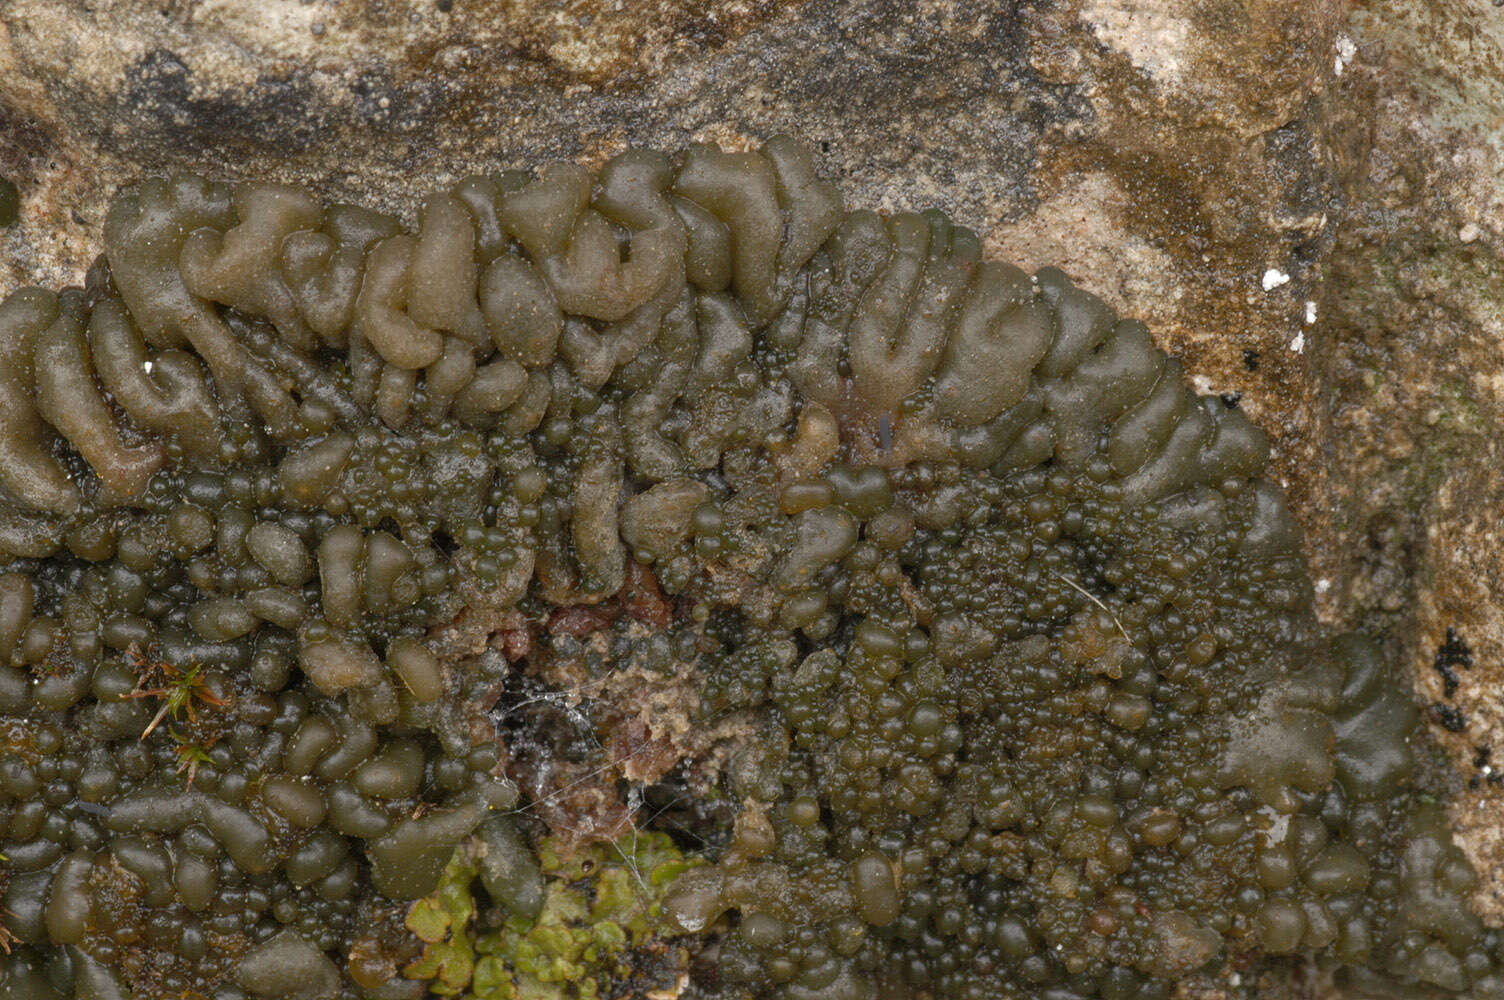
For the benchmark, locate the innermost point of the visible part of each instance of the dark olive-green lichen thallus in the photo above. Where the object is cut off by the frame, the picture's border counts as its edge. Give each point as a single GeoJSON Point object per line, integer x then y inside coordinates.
{"type": "Point", "coordinates": [10, 203]}
{"type": "Point", "coordinates": [968, 648]}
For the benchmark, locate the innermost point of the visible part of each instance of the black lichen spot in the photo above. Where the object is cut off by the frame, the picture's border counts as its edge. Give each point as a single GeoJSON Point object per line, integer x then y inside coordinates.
{"type": "Point", "coordinates": [1251, 359]}
{"type": "Point", "coordinates": [1449, 717]}
{"type": "Point", "coordinates": [1452, 653]}
{"type": "Point", "coordinates": [1231, 399]}
{"type": "Point", "coordinates": [1483, 763]}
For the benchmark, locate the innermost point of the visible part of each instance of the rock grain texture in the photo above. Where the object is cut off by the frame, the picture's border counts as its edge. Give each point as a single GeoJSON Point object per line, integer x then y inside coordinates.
{"type": "Point", "coordinates": [1407, 434]}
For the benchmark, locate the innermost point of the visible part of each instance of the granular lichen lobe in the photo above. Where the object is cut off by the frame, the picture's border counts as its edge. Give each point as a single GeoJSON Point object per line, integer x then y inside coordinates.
{"type": "Point", "coordinates": [1013, 638]}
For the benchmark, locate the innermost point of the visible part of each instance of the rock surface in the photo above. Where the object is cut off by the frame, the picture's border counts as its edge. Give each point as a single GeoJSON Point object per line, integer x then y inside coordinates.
{"type": "Point", "coordinates": [1408, 432]}
{"type": "Point", "coordinates": [1303, 200]}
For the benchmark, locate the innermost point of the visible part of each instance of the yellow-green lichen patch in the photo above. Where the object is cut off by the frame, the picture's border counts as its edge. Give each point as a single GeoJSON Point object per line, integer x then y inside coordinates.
{"type": "Point", "coordinates": [596, 908]}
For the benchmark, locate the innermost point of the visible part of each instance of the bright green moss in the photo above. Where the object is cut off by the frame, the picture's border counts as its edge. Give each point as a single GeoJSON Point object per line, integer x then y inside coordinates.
{"type": "Point", "coordinates": [598, 905]}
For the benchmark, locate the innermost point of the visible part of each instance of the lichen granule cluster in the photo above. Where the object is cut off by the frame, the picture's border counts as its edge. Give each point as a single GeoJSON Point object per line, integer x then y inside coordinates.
{"type": "Point", "coordinates": [984, 656]}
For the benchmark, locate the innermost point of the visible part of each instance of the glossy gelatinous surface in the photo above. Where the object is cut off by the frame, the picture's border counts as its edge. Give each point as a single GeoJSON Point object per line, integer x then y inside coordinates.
{"type": "Point", "coordinates": [1031, 699]}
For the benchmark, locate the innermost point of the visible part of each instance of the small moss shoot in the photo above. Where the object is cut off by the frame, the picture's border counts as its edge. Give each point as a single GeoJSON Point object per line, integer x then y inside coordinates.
{"type": "Point", "coordinates": [599, 905]}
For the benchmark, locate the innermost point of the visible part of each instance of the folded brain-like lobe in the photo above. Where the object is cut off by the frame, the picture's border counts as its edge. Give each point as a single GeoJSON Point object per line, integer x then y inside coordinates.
{"type": "Point", "coordinates": [989, 632]}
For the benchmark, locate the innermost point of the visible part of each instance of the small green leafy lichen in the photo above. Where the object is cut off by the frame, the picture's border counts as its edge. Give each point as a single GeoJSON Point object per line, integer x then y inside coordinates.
{"type": "Point", "coordinates": [599, 904]}
{"type": "Point", "coordinates": [442, 920]}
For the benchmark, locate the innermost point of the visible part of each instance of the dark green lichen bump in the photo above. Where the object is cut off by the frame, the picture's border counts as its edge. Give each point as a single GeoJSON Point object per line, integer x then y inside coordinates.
{"type": "Point", "coordinates": [1008, 644]}
{"type": "Point", "coordinates": [10, 202]}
